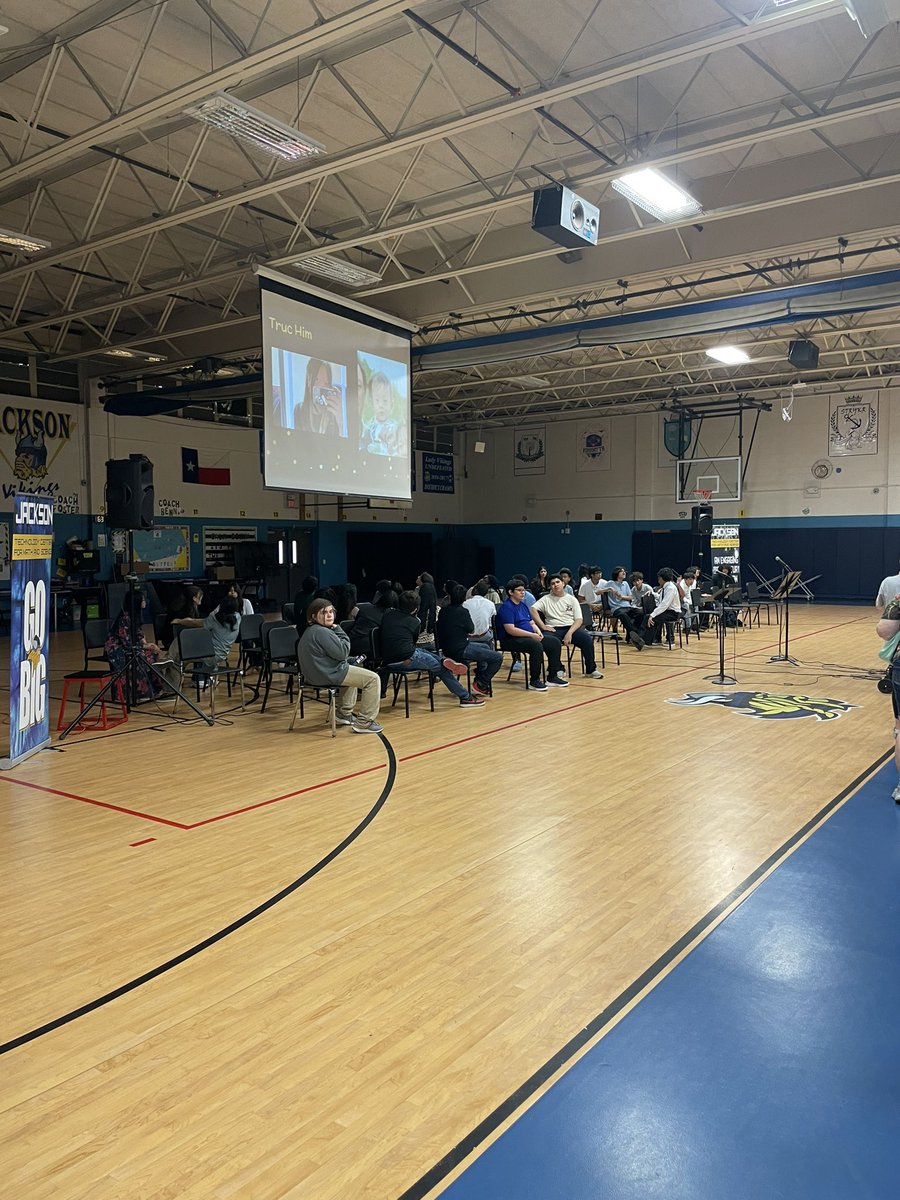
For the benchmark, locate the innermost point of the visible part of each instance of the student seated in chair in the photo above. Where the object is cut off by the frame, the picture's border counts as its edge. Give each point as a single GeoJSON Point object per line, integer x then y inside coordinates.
{"type": "Point", "coordinates": [521, 633]}
{"type": "Point", "coordinates": [560, 614]}
{"type": "Point", "coordinates": [456, 637]}
{"type": "Point", "coordinates": [400, 630]}
{"type": "Point", "coordinates": [224, 625]}
{"type": "Point", "coordinates": [324, 652]}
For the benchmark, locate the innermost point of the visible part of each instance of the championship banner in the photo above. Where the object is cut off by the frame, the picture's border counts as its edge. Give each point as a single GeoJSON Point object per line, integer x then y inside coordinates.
{"type": "Point", "coordinates": [725, 544]}
{"type": "Point", "coordinates": [29, 682]}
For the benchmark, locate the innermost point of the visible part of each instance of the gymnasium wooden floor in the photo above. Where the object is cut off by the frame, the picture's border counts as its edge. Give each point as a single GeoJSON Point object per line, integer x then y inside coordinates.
{"type": "Point", "coordinates": [514, 871]}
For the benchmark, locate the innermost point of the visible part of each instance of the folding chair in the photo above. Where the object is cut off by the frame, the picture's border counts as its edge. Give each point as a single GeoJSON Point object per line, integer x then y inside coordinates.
{"type": "Point", "coordinates": [391, 673]}
{"type": "Point", "coordinates": [281, 659]}
{"type": "Point", "coordinates": [94, 633]}
{"type": "Point", "coordinates": [196, 651]}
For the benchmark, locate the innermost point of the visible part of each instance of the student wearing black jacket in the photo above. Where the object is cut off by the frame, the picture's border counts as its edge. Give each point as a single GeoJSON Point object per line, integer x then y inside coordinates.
{"type": "Point", "coordinates": [399, 632]}
{"type": "Point", "coordinates": [454, 630]}
{"type": "Point", "coordinates": [427, 601]}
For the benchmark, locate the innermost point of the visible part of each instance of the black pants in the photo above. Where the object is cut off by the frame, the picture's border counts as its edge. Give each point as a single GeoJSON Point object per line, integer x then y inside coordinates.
{"type": "Point", "coordinates": [549, 645]}
{"type": "Point", "coordinates": [583, 640]}
{"type": "Point", "coordinates": [631, 618]}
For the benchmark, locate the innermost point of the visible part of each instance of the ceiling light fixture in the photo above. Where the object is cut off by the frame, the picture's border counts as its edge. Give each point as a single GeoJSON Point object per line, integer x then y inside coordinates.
{"type": "Point", "coordinates": [729, 355]}
{"type": "Point", "coordinates": [337, 269]}
{"type": "Point", "coordinates": [121, 352]}
{"type": "Point", "coordinates": [22, 241]}
{"type": "Point", "coordinates": [530, 381]}
{"type": "Point", "coordinates": [650, 190]}
{"type": "Point", "coordinates": [254, 127]}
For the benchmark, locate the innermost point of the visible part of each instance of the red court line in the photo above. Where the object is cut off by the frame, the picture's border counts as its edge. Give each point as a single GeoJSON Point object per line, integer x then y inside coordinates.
{"type": "Point", "coordinates": [313, 787]}
{"type": "Point", "coordinates": [143, 842]}
{"type": "Point", "coordinates": [130, 812]}
{"type": "Point", "coordinates": [617, 692]}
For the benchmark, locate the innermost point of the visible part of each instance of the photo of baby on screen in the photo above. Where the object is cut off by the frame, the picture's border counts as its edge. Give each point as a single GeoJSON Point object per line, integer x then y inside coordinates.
{"type": "Point", "coordinates": [383, 404]}
{"type": "Point", "coordinates": [309, 394]}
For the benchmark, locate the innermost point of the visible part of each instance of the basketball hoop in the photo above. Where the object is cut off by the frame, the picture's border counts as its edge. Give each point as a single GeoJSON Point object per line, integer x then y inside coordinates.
{"type": "Point", "coordinates": [703, 494]}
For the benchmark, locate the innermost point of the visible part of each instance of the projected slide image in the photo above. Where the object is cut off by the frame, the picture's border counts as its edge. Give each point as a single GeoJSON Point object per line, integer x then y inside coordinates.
{"type": "Point", "coordinates": [309, 394]}
{"type": "Point", "coordinates": [382, 388]}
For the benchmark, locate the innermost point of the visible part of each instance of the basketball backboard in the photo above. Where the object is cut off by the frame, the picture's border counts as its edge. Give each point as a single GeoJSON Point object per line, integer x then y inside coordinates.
{"type": "Point", "coordinates": [708, 480]}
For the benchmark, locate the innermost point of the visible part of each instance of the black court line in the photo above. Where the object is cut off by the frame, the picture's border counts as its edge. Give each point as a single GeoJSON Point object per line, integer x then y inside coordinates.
{"type": "Point", "coordinates": [480, 1134]}
{"type": "Point", "coordinates": [213, 938]}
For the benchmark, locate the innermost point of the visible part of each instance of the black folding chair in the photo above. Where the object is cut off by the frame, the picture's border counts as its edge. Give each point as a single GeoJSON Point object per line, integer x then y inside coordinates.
{"type": "Point", "coordinates": [281, 643]}
{"type": "Point", "coordinates": [397, 675]}
{"type": "Point", "coordinates": [197, 653]}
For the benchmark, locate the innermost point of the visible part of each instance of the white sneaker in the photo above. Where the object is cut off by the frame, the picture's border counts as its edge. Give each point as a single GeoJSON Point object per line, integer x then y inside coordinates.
{"type": "Point", "coordinates": [896, 794]}
{"type": "Point", "coordinates": [595, 675]}
{"type": "Point", "coordinates": [360, 726]}
{"type": "Point", "coordinates": [348, 720]}
{"type": "Point", "coordinates": [517, 666]}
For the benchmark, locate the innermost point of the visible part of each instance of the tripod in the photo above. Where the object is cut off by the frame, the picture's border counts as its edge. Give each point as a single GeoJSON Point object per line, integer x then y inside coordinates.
{"type": "Point", "coordinates": [722, 678]}
{"type": "Point", "coordinates": [789, 581]}
{"type": "Point", "coordinates": [126, 676]}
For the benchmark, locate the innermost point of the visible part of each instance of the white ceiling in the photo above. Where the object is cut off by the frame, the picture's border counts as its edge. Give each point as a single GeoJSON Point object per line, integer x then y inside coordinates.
{"type": "Point", "coordinates": [440, 119]}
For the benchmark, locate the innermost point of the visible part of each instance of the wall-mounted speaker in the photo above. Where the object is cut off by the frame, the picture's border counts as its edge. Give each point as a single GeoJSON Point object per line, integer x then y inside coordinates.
{"type": "Point", "coordinates": [129, 492]}
{"type": "Point", "coordinates": [701, 520]}
{"type": "Point", "coordinates": [803, 355]}
{"type": "Point", "coordinates": [565, 218]}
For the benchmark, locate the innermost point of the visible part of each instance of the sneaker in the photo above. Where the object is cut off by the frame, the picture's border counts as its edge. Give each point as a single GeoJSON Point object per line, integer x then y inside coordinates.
{"type": "Point", "coordinates": [551, 682]}
{"type": "Point", "coordinates": [538, 686]}
{"type": "Point", "coordinates": [670, 645]}
{"type": "Point", "coordinates": [896, 794]}
{"type": "Point", "coordinates": [517, 666]}
{"type": "Point", "coordinates": [637, 641]}
{"type": "Point", "coordinates": [560, 674]}
{"type": "Point", "coordinates": [595, 674]}
{"type": "Point", "coordinates": [471, 702]}
{"type": "Point", "coordinates": [450, 664]}
{"type": "Point", "coordinates": [360, 726]}
{"type": "Point", "coordinates": [477, 690]}
{"type": "Point", "coordinates": [348, 720]}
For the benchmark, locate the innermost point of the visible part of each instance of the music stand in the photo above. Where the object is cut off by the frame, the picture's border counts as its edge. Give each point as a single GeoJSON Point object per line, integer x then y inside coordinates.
{"type": "Point", "coordinates": [722, 595]}
{"type": "Point", "coordinates": [789, 582]}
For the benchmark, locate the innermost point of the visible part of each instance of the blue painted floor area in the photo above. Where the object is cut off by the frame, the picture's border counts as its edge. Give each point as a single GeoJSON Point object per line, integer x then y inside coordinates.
{"type": "Point", "coordinates": [767, 1064]}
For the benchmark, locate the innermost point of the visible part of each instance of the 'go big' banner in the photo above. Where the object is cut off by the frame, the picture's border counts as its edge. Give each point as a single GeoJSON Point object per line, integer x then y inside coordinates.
{"type": "Point", "coordinates": [29, 685]}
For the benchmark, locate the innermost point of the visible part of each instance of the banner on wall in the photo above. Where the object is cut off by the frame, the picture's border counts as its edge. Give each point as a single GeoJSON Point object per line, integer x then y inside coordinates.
{"type": "Point", "coordinates": [529, 450]}
{"type": "Point", "coordinates": [853, 425]}
{"type": "Point", "coordinates": [29, 687]}
{"type": "Point", "coordinates": [725, 545]}
{"type": "Point", "coordinates": [592, 446]}
{"type": "Point", "coordinates": [41, 456]}
{"type": "Point", "coordinates": [437, 473]}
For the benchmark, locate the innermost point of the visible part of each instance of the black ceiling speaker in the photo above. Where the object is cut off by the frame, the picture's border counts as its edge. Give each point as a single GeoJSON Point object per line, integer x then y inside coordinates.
{"type": "Point", "coordinates": [565, 218]}
{"type": "Point", "coordinates": [129, 492]}
{"type": "Point", "coordinates": [803, 355]}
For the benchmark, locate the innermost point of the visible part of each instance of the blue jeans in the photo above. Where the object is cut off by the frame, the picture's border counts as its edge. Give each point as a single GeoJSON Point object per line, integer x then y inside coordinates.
{"type": "Point", "coordinates": [424, 660]}
{"type": "Point", "coordinates": [487, 662]}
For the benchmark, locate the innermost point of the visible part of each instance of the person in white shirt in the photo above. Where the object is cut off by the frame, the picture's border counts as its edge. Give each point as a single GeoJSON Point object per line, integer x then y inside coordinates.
{"type": "Point", "coordinates": [668, 609]}
{"type": "Point", "coordinates": [245, 607]}
{"type": "Point", "coordinates": [592, 589]}
{"type": "Point", "coordinates": [888, 589]}
{"type": "Point", "coordinates": [688, 587]}
{"type": "Point", "coordinates": [482, 611]}
{"type": "Point", "coordinates": [559, 613]}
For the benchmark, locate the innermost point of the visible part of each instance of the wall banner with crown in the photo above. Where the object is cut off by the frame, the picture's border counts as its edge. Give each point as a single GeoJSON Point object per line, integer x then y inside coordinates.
{"type": "Point", "coordinates": [41, 453]}
{"type": "Point", "coordinates": [592, 445]}
{"type": "Point", "coordinates": [29, 638]}
{"type": "Point", "coordinates": [853, 425]}
{"type": "Point", "coordinates": [530, 450]}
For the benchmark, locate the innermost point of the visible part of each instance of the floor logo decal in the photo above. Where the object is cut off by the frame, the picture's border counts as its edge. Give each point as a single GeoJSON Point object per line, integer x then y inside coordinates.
{"type": "Point", "coordinates": [769, 705]}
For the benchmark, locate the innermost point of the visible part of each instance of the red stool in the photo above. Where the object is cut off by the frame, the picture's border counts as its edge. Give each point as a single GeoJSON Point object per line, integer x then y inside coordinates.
{"type": "Point", "coordinates": [101, 678]}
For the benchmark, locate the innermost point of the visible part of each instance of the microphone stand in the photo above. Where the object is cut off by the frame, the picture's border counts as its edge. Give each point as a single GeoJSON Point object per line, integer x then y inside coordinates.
{"type": "Point", "coordinates": [722, 678]}
{"type": "Point", "coordinates": [788, 583]}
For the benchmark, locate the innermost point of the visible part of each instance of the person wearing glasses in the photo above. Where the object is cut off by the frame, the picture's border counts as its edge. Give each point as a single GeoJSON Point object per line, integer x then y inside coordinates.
{"type": "Point", "coordinates": [324, 653]}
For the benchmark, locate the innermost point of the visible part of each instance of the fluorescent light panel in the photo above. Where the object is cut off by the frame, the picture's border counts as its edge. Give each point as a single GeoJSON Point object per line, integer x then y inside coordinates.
{"type": "Point", "coordinates": [254, 127]}
{"type": "Point", "coordinates": [730, 355]}
{"type": "Point", "coordinates": [22, 241]}
{"type": "Point", "coordinates": [650, 190]}
{"type": "Point", "coordinates": [121, 352]}
{"type": "Point", "coordinates": [337, 269]}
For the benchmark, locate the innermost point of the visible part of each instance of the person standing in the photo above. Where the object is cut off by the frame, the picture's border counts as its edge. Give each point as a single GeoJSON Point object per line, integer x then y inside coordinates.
{"type": "Point", "coordinates": [427, 601]}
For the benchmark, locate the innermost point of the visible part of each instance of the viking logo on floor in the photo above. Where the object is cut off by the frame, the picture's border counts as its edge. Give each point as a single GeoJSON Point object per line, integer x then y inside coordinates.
{"type": "Point", "coordinates": [768, 705]}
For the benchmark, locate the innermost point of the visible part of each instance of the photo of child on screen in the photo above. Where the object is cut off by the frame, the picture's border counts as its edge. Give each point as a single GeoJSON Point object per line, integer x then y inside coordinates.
{"type": "Point", "coordinates": [321, 410]}
{"type": "Point", "coordinates": [382, 423]}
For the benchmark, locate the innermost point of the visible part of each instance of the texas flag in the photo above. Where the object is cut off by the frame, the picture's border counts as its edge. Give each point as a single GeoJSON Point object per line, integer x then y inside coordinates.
{"type": "Point", "coordinates": [216, 473]}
